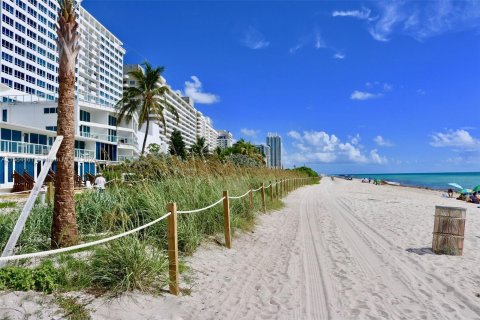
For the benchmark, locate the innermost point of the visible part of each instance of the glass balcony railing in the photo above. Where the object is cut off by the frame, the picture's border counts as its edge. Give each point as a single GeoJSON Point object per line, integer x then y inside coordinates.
{"type": "Point", "coordinates": [84, 154]}
{"type": "Point", "coordinates": [97, 136]}
{"type": "Point", "coordinates": [125, 158]}
{"type": "Point", "coordinates": [26, 148]}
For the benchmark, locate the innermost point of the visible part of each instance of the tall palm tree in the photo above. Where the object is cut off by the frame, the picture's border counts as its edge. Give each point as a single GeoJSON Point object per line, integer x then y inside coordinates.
{"type": "Point", "coordinates": [147, 99]}
{"type": "Point", "coordinates": [64, 222]}
{"type": "Point", "coordinates": [200, 147]}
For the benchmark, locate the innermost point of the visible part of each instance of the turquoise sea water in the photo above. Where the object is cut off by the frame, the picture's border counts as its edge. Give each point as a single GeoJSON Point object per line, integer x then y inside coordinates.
{"type": "Point", "coordinates": [429, 180]}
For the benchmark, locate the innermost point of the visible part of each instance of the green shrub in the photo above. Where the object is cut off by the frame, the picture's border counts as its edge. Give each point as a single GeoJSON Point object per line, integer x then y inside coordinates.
{"type": "Point", "coordinates": [43, 278]}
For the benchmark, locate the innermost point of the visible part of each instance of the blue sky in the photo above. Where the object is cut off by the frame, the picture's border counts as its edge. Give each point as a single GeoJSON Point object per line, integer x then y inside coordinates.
{"type": "Point", "coordinates": [352, 87]}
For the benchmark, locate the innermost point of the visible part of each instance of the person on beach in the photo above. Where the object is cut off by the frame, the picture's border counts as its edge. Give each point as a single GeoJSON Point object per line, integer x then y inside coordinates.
{"type": "Point", "coordinates": [100, 182]}
{"type": "Point", "coordinates": [450, 193]}
{"type": "Point", "coordinates": [474, 199]}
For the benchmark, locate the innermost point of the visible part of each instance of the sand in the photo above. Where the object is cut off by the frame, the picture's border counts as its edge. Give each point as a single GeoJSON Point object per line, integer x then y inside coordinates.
{"type": "Point", "coordinates": [338, 250]}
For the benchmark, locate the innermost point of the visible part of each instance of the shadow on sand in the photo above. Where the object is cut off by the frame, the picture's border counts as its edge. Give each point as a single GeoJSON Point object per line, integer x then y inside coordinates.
{"type": "Point", "coordinates": [420, 251]}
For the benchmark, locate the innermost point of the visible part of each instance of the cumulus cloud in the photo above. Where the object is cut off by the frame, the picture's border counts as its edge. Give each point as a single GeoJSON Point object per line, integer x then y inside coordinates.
{"type": "Point", "coordinates": [254, 39]}
{"type": "Point", "coordinates": [363, 95]}
{"type": "Point", "coordinates": [460, 138]}
{"type": "Point", "coordinates": [249, 132]}
{"type": "Point", "coordinates": [380, 141]}
{"type": "Point", "coordinates": [339, 55]}
{"type": "Point", "coordinates": [321, 147]}
{"type": "Point", "coordinates": [419, 20]}
{"type": "Point", "coordinates": [193, 89]}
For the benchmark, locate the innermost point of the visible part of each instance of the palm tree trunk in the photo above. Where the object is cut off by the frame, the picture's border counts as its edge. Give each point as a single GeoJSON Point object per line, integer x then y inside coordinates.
{"type": "Point", "coordinates": [146, 136]}
{"type": "Point", "coordinates": [64, 222]}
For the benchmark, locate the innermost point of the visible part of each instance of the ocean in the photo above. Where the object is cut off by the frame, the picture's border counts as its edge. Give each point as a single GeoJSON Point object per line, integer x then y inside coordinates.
{"type": "Point", "coordinates": [429, 180]}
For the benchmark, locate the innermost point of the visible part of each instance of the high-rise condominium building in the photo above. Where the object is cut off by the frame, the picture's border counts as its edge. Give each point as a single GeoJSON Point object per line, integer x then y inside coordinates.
{"type": "Point", "coordinates": [191, 124]}
{"type": "Point", "coordinates": [224, 139]}
{"type": "Point", "coordinates": [29, 90]}
{"type": "Point", "coordinates": [274, 141]}
{"type": "Point", "coordinates": [265, 151]}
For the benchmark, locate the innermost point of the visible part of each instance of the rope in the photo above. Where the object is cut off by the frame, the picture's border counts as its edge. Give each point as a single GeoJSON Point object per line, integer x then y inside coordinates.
{"type": "Point", "coordinates": [257, 189]}
{"type": "Point", "coordinates": [83, 245]}
{"type": "Point", "coordinates": [203, 209]}
{"type": "Point", "coordinates": [240, 197]}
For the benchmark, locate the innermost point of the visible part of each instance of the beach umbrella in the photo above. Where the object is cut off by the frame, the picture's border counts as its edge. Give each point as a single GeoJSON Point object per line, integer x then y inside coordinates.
{"type": "Point", "coordinates": [477, 188]}
{"type": "Point", "coordinates": [456, 185]}
{"type": "Point", "coordinates": [465, 191]}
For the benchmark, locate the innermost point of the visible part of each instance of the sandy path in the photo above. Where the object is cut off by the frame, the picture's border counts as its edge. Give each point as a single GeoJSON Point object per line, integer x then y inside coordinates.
{"type": "Point", "coordinates": [339, 250]}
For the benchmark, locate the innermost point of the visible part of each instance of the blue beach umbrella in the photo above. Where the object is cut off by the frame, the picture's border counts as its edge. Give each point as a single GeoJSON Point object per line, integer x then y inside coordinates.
{"type": "Point", "coordinates": [466, 191]}
{"type": "Point", "coordinates": [455, 185]}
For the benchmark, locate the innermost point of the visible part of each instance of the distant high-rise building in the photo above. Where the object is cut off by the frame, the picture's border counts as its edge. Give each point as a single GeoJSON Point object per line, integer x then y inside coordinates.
{"type": "Point", "coordinates": [274, 141]}
{"type": "Point", "coordinates": [265, 150]}
{"type": "Point", "coordinates": [224, 139]}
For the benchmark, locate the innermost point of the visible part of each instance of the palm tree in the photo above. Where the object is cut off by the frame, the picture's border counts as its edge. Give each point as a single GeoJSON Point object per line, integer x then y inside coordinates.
{"type": "Point", "coordinates": [199, 148]}
{"type": "Point", "coordinates": [147, 99]}
{"type": "Point", "coordinates": [64, 230]}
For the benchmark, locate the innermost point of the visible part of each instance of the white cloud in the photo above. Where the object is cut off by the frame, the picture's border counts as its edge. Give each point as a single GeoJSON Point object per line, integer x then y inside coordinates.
{"type": "Point", "coordinates": [363, 95]}
{"type": "Point", "coordinates": [376, 158]}
{"type": "Point", "coordinates": [363, 14]}
{"type": "Point", "coordinates": [455, 139]}
{"type": "Point", "coordinates": [423, 20]}
{"type": "Point", "coordinates": [380, 87]}
{"type": "Point", "coordinates": [319, 42]}
{"type": "Point", "coordinates": [421, 92]}
{"type": "Point", "coordinates": [194, 90]}
{"type": "Point", "coordinates": [321, 147]}
{"type": "Point", "coordinates": [339, 55]}
{"type": "Point", "coordinates": [249, 132]}
{"type": "Point", "coordinates": [380, 141]}
{"type": "Point", "coordinates": [253, 39]}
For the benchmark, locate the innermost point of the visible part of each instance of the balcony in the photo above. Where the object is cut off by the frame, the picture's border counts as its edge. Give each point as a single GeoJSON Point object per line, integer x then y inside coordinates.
{"type": "Point", "coordinates": [128, 141]}
{"type": "Point", "coordinates": [125, 158]}
{"type": "Point", "coordinates": [26, 148]}
{"type": "Point", "coordinates": [104, 137]}
{"type": "Point", "coordinates": [18, 147]}
{"type": "Point", "coordinates": [84, 154]}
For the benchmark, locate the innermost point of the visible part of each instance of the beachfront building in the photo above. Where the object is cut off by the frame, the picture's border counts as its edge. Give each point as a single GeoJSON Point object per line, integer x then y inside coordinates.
{"type": "Point", "coordinates": [224, 139]}
{"type": "Point", "coordinates": [205, 129]}
{"type": "Point", "coordinates": [29, 91]}
{"type": "Point", "coordinates": [191, 124]}
{"type": "Point", "coordinates": [274, 141]}
{"type": "Point", "coordinates": [265, 151]}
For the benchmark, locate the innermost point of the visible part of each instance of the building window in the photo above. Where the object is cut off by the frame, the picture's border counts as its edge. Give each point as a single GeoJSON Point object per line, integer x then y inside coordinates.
{"type": "Point", "coordinates": [51, 128]}
{"type": "Point", "coordinates": [112, 121]}
{"type": "Point", "coordinates": [4, 115]}
{"type": "Point", "coordinates": [50, 110]}
{"type": "Point", "coordinates": [84, 116]}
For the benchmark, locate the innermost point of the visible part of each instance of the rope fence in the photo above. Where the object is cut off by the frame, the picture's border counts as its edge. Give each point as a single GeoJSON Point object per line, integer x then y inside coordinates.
{"type": "Point", "coordinates": [286, 185]}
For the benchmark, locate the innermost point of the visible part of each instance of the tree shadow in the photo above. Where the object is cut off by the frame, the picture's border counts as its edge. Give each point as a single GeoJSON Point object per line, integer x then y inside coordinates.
{"type": "Point", "coordinates": [420, 251]}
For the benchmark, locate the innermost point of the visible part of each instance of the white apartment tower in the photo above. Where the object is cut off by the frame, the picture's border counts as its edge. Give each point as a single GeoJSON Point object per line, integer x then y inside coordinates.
{"type": "Point", "coordinates": [29, 90]}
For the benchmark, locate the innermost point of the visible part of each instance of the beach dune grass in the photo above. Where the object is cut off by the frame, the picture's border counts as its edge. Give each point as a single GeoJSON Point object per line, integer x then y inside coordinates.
{"type": "Point", "coordinates": [123, 206]}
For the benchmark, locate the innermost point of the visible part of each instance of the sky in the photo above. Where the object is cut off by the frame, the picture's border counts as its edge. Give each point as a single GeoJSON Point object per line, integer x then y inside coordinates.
{"type": "Point", "coordinates": [350, 86]}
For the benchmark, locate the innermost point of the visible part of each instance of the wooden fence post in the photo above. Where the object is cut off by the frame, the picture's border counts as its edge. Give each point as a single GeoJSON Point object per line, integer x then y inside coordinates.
{"type": "Point", "coordinates": [264, 204]}
{"type": "Point", "coordinates": [173, 249]}
{"type": "Point", "coordinates": [50, 193]}
{"type": "Point", "coordinates": [226, 220]}
{"type": "Point", "coordinates": [251, 198]}
{"type": "Point", "coordinates": [276, 188]}
{"type": "Point", "coordinates": [271, 191]}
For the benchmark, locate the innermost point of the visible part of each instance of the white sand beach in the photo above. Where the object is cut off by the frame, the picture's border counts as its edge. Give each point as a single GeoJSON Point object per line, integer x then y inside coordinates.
{"type": "Point", "coordinates": [338, 250]}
